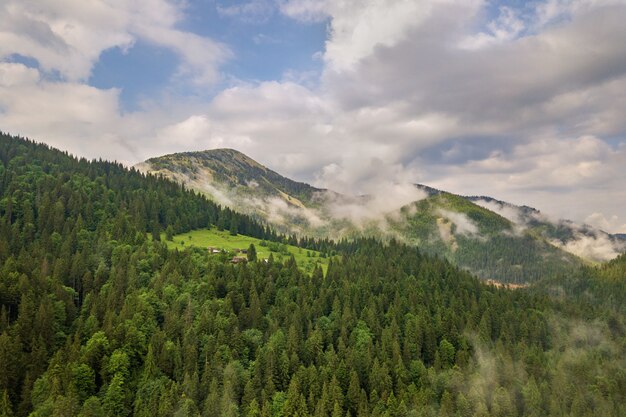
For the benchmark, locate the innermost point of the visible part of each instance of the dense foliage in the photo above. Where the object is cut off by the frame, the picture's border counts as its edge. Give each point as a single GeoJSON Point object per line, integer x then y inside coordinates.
{"type": "Point", "coordinates": [606, 290]}
{"type": "Point", "coordinates": [489, 245]}
{"type": "Point", "coordinates": [98, 319]}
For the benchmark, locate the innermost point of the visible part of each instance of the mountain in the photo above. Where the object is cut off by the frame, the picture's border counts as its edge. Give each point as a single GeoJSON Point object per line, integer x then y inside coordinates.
{"type": "Point", "coordinates": [585, 241]}
{"type": "Point", "coordinates": [98, 317]}
{"type": "Point", "coordinates": [228, 170]}
{"type": "Point", "coordinates": [493, 239]}
{"type": "Point", "coordinates": [235, 180]}
{"type": "Point", "coordinates": [481, 240]}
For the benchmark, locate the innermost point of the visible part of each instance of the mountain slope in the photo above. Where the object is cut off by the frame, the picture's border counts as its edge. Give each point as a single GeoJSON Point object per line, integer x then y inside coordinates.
{"type": "Point", "coordinates": [235, 180]}
{"type": "Point", "coordinates": [493, 239]}
{"type": "Point", "coordinates": [584, 241]}
{"type": "Point", "coordinates": [228, 170]}
{"type": "Point", "coordinates": [480, 240]}
{"type": "Point", "coordinates": [97, 319]}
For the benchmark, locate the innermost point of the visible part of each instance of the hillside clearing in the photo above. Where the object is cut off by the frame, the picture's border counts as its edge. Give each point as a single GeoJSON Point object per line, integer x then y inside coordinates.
{"type": "Point", "coordinates": [223, 240]}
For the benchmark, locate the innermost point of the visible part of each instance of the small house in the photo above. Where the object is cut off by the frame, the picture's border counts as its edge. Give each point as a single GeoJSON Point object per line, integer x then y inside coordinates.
{"type": "Point", "coordinates": [239, 260]}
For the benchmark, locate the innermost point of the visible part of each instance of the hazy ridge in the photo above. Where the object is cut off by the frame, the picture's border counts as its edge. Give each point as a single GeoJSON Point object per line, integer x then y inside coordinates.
{"type": "Point", "coordinates": [492, 238]}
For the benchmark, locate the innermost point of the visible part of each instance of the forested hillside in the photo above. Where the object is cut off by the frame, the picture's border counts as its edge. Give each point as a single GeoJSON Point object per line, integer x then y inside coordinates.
{"type": "Point", "coordinates": [593, 289]}
{"type": "Point", "coordinates": [491, 238]}
{"type": "Point", "coordinates": [100, 318]}
{"type": "Point", "coordinates": [481, 240]}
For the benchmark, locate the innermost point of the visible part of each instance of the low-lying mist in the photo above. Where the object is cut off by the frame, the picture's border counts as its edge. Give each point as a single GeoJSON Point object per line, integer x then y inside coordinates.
{"type": "Point", "coordinates": [583, 241]}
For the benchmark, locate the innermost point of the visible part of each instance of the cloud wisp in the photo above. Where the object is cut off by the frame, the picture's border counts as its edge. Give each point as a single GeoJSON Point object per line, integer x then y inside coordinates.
{"type": "Point", "coordinates": [586, 242]}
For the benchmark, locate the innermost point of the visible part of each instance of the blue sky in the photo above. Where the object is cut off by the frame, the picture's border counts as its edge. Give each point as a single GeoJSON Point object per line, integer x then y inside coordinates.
{"type": "Point", "coordinates": [266, 45]}
{"type": "Point", "coordinates": [515, 99]}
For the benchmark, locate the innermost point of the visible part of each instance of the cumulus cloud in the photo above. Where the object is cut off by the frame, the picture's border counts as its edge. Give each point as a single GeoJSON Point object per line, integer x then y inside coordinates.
{"type": "Point", "coordinates": [603, 222]}
{"type": "Point", "coordinates": [528, 81]}
{"type": "Point", "coordinates": [51, 100]}
{"type": "Point", "coordinates": [567, 177]}
{"type": "Point", "coordinates": [16, 75]}
{"type": "Point", "coordinates": [525, 105]}
{"type": "Point", "coordinates": [66, 113]}
{"type": "Point", "coordinates": [505, 28]}
{"type": "Point", "coordinates": [67, 37]}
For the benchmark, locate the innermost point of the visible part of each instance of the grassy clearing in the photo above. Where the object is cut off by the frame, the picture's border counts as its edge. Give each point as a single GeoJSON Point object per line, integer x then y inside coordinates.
{"type": "Point", "coordinates": [205, 238]}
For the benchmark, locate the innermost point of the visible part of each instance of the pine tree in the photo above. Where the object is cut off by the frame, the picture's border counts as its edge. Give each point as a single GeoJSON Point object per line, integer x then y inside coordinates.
{"type": "Point", "coordinates": [252, 257]}
{"type": "Point", "coordinates": [114, 402]}
{"type": "Point", "coordinates": [6, 409]}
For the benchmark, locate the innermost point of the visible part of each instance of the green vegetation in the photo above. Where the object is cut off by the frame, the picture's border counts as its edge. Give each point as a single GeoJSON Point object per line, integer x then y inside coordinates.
{"type": "Point", "coordinates": [98, 319]}
{"type": "Point", "coordinates": [234, 170]}
{"type": "Point", "coordinates": [305, 258]}
{"type": "Point", "coordinates": [495, 250]}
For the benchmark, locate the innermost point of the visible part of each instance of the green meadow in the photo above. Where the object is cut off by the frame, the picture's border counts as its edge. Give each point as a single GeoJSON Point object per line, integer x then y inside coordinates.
{"type": "Point", "coordinates": [223, 240]}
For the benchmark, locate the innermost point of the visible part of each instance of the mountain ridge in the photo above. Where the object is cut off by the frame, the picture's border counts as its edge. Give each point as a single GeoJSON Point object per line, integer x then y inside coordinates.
{"type": "Point", "coordinates": [490, 237]}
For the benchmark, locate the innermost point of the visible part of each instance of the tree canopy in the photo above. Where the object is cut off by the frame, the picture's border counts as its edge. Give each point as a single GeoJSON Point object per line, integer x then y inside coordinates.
{"type": "Point", "coordinates": [99, 318]}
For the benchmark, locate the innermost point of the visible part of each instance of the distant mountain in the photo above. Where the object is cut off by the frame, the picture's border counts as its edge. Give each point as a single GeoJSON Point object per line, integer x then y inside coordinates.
{"type": "Point", "coordinates": [233, 179]}
{"type": "Point", "coordinates": [584, 241]}
{"type": "Point", "coordinates": [480, 240]}
{"type": "Point", "coordinates": [229, 171]}
{"type": "Point", "coordinates": [492, 238]}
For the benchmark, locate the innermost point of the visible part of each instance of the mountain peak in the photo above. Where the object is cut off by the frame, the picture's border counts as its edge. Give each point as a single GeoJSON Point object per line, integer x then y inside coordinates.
{"type": "Point", "coordinates": [209, 157]}
{"type": "Point", "coordinates": [232, 170]}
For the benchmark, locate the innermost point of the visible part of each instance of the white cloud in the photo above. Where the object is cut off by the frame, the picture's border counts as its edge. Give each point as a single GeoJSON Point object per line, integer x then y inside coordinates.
{"type": "Point", "coordinates": [605, 223]}
{"type": "Point", "coordinates": [551, 162]}
{"type": "Point", "coordinates": [505, 28]}
{"type": "Point", "coordinates": [514, 214]}
{"type": "Point", "coordinates": [597, 248]}
{"type": "Point", "coordinates": [85, 120]}
{"type": "Point", "coordinates": [63, 114]}
{"type": "Point", "coordinates": [63, 36]}
{"type": "Point", "coordinates": [305, 10]}
{"type": "Point", "coordinates": [523, 114]}
{"type": "Point", "coordinates": [16, 75]}
{"type": "Point", "coordinates": [357, 28]}
{"type": "Point", "coordinates": [200, 57]}
{"type": "Point", "coordinates": [464, 225]}
{"type": "Point", "coordinates": [67, 36]}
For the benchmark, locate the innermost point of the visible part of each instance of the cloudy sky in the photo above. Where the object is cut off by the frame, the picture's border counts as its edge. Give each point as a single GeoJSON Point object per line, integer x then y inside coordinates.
{"type": "Point", "coordinates": [524, 101]}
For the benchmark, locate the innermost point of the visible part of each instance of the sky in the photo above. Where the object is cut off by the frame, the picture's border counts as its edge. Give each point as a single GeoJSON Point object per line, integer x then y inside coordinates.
{"type": "Point", "coordinates": [524, 101]}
